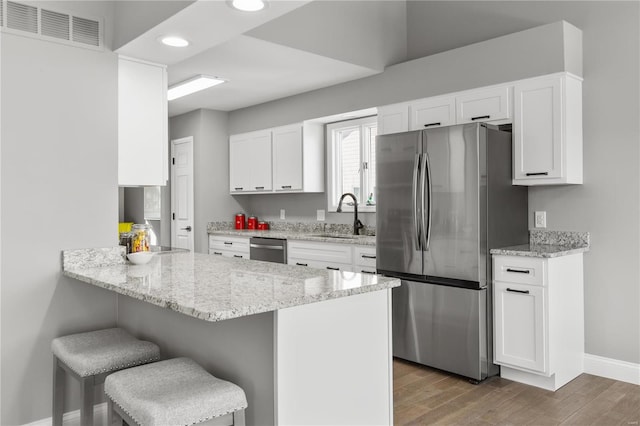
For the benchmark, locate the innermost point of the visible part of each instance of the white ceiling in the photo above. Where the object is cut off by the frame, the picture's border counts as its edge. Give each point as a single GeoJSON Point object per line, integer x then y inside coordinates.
{"type": "Point", "coordinates": [258, 70]}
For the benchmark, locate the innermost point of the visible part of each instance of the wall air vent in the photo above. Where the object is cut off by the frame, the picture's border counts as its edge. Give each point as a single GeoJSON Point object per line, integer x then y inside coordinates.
{"type": "Point", "coordinates": [55, 24]}
{"type": "Point", "coordinates": [86, 31]}
{"type": "Point", "coordinates": [32, 21]}
{"type": "Point", "coordinates": [22, 17]}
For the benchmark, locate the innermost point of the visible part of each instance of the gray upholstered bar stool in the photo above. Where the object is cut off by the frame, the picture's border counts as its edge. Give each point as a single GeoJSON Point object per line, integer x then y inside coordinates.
{"type": "Point", "coordinates": [89, 358]}
{"type": "Point", "coordinates": [173, 392]}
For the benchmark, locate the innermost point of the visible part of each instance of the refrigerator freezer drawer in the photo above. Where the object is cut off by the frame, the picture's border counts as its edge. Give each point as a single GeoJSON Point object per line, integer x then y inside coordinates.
{"type": "Point", "coordinates": [442, 327]}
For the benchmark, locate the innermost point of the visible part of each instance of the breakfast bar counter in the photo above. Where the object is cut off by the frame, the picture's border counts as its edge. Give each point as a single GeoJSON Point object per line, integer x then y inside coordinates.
{"type": "Point", "coordinates": [307, 345]}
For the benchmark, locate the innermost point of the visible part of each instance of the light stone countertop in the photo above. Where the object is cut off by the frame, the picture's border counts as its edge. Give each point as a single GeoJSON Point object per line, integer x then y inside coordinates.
{"type": "Point", "coordinates": [365, 240]}
{"type": "Point", "coordinates": [549, 244]}
{"type": "Point", "coordinates": [214, 288]}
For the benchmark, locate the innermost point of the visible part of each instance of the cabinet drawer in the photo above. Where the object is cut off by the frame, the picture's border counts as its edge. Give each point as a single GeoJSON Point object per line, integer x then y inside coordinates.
{"type": "Point", "coordinates": [228, 243]}
{"type": "Point", "coordinates": [484, 105]}
{"type": "Point", "coordinates": [321, 252]}
{"type": "Point", "coordinates": [522, 270]}
{"type": "Point", "coordinates": [320, 264]}
{"type": "Point", "coordinates": [365, 257]}
{"type": "Point", "coordinates": [229, 253]}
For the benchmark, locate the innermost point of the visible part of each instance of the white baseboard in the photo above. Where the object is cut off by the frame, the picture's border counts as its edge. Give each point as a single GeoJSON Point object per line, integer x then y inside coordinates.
{"type": "Point", "coordinates": [612, 368]}
{"type": "Point", "coordinates": [72, 418]}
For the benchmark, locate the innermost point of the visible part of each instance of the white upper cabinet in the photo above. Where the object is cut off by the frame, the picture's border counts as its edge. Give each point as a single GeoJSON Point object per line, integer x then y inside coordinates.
{"type": "Point", "coordinates": [292, 157]}
{"type": "Point", "coordinates": [484, 105]}
{"type": "Point", "coordinates": [287, 158]}
{"type": "Point", "coordinates": [432, 112]}
{"type": "Point", "coordinates": [393, 119]}
{"type": "Point", "coordinates": [548, 131]}
{"type": "Point", "coordinates": [250, 162]}
{"type": "Point", "coordinates": [142, 123]}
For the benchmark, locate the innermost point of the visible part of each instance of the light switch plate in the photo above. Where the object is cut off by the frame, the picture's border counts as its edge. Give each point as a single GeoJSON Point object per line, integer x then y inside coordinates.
{"type": "Point", "coordinates": [282, 215]}
{"type": "Point", "coordinates": [540, 219]}
{"type": "Point", "coordinates": [320, 214]}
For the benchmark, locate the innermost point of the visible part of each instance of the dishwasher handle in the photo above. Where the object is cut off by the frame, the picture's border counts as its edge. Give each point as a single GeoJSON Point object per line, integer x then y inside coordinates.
{"type": "Point", "coordinates": [265, 246]}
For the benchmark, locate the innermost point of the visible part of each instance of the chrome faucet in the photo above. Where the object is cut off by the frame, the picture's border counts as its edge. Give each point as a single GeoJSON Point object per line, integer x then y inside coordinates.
{"type": "Point", "coordinates": [357, 225]}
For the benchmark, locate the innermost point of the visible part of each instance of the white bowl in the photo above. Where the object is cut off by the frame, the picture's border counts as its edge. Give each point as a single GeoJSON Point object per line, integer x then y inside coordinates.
{"type": "Point", "coordinates": [141, 257]}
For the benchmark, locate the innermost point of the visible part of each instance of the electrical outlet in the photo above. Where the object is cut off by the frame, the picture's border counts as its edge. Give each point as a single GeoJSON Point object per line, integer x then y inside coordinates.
{"type": "Point", "coordinates": [540, 219]}
{"type": "Point", "coordinates": [282, 215]}
{"type": "Point", "coordinates": [320, 214]}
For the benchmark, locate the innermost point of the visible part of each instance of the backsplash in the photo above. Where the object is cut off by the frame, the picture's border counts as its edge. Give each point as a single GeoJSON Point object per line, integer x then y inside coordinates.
{"type": "Point", "coordinates": [303, 227]}
{"type": "Point", "coordinates": [560, 238]}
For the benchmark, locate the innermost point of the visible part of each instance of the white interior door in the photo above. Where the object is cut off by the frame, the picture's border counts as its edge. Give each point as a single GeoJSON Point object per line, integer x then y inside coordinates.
{"type": "Point", "coordinates": [182, 228]}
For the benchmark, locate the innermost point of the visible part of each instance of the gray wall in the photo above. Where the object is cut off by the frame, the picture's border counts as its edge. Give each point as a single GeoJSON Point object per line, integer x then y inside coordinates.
{"type": "Point", "coordinates": [59, 191]}
{"type": "Point", "coordinates": [607, 204]}
{"type": "Point", "coordinates": [211, 169]}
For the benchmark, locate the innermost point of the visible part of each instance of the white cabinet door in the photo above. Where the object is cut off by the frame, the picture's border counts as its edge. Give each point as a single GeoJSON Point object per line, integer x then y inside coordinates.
{"type": "Point", "coordinates": [537, 129]}
{"type": "Point", "coordinates": [287, 158]}
{"type": "Point", "coordinates": [432, 112]}
{"type": "Point", "coordinates": [143, 143]}
{"type": "Point", "coordinates": [520, 326]}
{"type": "Point", "coordinates": [393, 119]}
{"type": "Point", "coordinates": [483, 105]}
{"type": "Point", "coordinates": [250, 162]}
{"type": "Point", "coordinates": [547, 131]}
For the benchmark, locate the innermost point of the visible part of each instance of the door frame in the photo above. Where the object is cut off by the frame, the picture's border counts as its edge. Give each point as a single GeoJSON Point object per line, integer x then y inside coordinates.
{"type": "Point", "coordinates": [174, 142]}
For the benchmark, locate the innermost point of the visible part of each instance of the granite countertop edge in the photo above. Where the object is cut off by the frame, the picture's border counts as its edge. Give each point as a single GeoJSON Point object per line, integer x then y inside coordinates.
{"type": "Point", "coordinates": [363, 240]}
{"type": "Point", "coordinates": [539, 250]}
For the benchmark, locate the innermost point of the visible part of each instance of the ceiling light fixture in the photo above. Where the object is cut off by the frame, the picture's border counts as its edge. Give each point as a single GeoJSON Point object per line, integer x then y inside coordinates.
{"type": "Point", "coordinates": [248, 5]}
{"type": "Point", "coordinates": [192, 85]}
{"type": "Point", "coordinates": [174, 41]}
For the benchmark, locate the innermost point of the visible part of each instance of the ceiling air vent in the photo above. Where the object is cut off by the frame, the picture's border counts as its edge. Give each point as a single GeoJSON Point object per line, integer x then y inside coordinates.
{"type": "Point", "coordinates": [22, 17]}
{"type": "Point", "coordinates": [86, 31]}
{"type": "Point", "coordinates": [54, 24]}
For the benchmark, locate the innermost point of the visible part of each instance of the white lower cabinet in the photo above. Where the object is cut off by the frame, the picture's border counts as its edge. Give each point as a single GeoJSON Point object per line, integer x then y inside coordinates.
{"type": "Point", "coordinates": [539, 319]}
{"type": "Point", "coordinates": [339, 257]}
{"type": "Point", "coordinates": [227, 246]}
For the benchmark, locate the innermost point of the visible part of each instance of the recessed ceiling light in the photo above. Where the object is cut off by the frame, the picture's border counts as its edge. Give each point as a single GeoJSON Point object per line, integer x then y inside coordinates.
{"type": "Point", "coordinates": [174, 41]}
{"type": "Point", "coordinates": [192, 85]}
{"type": "Point", "coordinates": [248, 5]}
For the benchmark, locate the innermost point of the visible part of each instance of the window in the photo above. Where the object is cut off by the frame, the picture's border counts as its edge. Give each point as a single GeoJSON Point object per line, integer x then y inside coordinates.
{"type": "Point", "coordinates": [351, 163]}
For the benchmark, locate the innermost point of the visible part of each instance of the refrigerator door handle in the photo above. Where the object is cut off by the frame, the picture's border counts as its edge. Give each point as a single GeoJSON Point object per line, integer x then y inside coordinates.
{"type": "Point", "coordinates": [416, 179]}
{"type": "Point", "coordinates": [426, 194]}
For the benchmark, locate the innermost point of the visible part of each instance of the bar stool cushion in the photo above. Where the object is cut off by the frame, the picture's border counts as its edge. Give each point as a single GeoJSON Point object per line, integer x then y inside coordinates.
{"type": "Point", "coordinates": [103, 351]}
{"type": "Point", "coordinates": [173, 392]}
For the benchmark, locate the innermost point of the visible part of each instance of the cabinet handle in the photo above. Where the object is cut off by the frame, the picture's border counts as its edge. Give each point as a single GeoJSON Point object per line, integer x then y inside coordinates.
{"type": "Point", "coordinates": [480, 117]}
{"type": "Point", "coordinates": [226, 243]}
{"type": "Point", "coordinates": [537, 174]}
{"type": "Point", "coordinates": [237, 255]}
{"type": "Point", "coordinates": [366, 256]}
{"type": "Point", "coordinates": [518, 291]}
{"type": "Point", "coordinates": [332, 268]}
{"type": "Point", "coordinates": [286, 186]}
{"type": "Point", "coordinates": [432, 124]}
{"type": "Point", "coordinates": [240, 188]}
{"type": "Point", "coordinates": [302, 264]}
{"type": "Point", "coordinates": [259, 187]}
{"type": "Point", "coordinates": [367, 272]}
{"type": "Point", "coordinates": [218, 253]}
{"type": "Point", "coordinates": [520, 271]}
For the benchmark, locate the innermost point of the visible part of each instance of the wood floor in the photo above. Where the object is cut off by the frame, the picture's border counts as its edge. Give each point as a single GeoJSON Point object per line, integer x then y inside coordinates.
{"type": "Point", "coordinates": [424, 396]}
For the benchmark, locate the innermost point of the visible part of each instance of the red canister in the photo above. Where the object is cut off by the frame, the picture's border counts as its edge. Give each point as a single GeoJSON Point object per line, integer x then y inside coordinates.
{"type": "Point", "coordinates": [252, 222]}
{"type": "Point", "coordinates": [240, 221]}
{"type": "Point", "coordinates": [263, 226]}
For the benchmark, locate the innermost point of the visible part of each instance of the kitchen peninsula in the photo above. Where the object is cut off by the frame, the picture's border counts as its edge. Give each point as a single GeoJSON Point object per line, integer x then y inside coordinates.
{"type": "Point", "coordinates": [257, 324]}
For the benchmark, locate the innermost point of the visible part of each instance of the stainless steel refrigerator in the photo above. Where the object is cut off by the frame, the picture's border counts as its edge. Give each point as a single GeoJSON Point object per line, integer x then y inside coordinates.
{"type": "Point", "coordinates": [444, 200]}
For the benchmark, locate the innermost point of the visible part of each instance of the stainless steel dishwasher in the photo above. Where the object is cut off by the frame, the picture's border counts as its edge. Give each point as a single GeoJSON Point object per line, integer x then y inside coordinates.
{"type": "Point", "coordinates": [268, 249]}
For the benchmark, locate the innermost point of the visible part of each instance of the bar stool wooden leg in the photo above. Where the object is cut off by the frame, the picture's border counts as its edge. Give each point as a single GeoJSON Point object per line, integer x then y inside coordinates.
{"type": "Point", "coordinates": [86, 411]}
{"type": "Point", "coordinates": [238, 418]}
{"type": "Point", "coordinates": [58, 392]}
